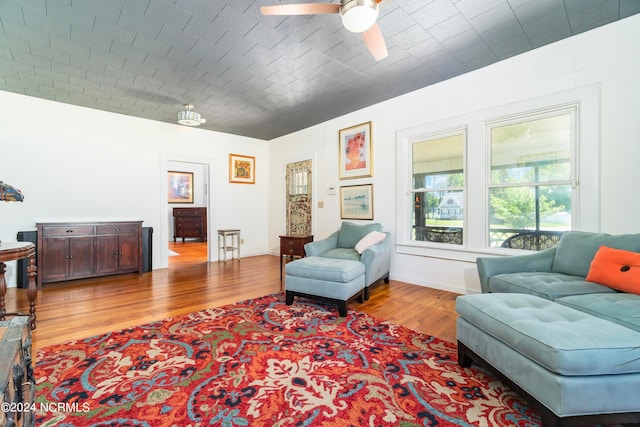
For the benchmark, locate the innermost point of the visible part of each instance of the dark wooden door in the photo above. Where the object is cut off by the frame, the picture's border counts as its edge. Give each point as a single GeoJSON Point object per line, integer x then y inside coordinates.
{"type": "Point", "coordinates": [129, 251]}
{"type": "Point", "coordinates": [55, 259]}
{"type": "Point", "coordinates": [81, 256]}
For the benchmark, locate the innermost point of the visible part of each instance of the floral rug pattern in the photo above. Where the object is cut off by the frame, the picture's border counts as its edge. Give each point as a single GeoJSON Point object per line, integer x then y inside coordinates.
{"type": "Point", "coordinates": [262, 363]}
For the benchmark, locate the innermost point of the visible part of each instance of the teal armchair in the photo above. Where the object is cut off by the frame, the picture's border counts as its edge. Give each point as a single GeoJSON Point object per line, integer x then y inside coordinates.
{"type": "Point", "coordinates": [342, 243]}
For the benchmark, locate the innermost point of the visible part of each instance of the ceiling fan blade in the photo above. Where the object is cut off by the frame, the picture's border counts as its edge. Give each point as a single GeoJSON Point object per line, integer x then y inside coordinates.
{"type": "Point", "coordinates": [301, 9]}
{"type": "Point", "coordinates": [375, 42]}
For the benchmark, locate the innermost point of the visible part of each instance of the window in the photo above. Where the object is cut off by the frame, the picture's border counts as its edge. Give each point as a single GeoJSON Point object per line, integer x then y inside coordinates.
{"type": "Point", "coordinates": [438, 188]}
{"type": "Point", "coordinates": [530, 189]}
{"type": "Point", "coordinates": [510, 177]}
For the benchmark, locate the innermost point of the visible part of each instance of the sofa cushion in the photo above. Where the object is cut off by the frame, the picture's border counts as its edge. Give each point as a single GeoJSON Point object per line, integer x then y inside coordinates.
{"type": "Point", "coordinates": [351, 234]}
{"type": "Point", "coordinates": [545, 285]}
{"type": "Point", "coordinates": [563, 340]}
{"type": "Point", "coordinates": [618, 307]}
{"type": "Point", "coordinates": [341, 253]}
{"type": "Point", "coordinates": [577, 248]}
{"type": "Point", "coordinates": [616, 268]}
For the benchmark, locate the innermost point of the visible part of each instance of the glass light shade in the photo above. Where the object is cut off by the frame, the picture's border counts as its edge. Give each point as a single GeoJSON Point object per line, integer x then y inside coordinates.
{"type": "Point", "coordinates": [190, 118]}
{"type": "Point", "coordinates": [359, 15]}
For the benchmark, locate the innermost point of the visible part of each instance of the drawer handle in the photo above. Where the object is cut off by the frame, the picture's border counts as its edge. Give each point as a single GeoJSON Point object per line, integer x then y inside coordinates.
{"type": "Point", "coordinates": [69, 231]}
{"type": "Point", "coordinates": [118, 230]}
{"type": "Point", "coordinates": [291, 251]}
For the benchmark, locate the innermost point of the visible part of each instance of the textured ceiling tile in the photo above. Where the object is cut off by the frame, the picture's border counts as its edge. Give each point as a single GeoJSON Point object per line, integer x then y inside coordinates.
{"type": "Point", "coordinates": [497, 17]}
{"type": "Point", "coordinates": [410, 37]}
{"type": "Point", "coordinates": [133, 17]}
{"type": "Point", "coordinates": [450, 28]}
{"type": "Point", "coordinates": [41, 22]}
{"type": "Point", "coordinates": [166, 11]}
{"type": "Point", "coordinates": [583, 18]}
{"type": "Point", "coordinates": [474, 8]}
{"type": "Point", "coordinates": [19, 31]}
{"type": "Point", "coordinates": [435, 13]}
{"type": "Point", "coordinates": [29, 59]}
{"type": "Point", "coordinates": [11, 11]}
{"type": "Point", "coordinates": [206, 9]}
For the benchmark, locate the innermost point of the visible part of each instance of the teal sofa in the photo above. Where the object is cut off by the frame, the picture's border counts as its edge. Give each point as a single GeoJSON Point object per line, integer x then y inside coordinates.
{"type": "Point", "coordinates": [568, 345]}
{"type": "Point", "coordinates": [558, 274]}
{"type": "Point", "coordinates": [341, 245]}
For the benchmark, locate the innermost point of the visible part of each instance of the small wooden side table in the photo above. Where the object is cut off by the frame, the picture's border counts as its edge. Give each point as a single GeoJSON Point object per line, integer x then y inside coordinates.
{"type": "Point", "coordinates": [292, 246]}
{"type": "Point", "coordinates": [13, 251]}
{"type": "Point", "coordinates": [232, 245]}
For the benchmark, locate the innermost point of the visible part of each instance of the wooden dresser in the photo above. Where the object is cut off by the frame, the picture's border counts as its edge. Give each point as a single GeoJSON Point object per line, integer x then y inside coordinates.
{"type": "Point", "coordinates": [17, 382]}
{"type": "Point", "coordinates": [190, 222]}
{"type": "Point", "coordinates": [75, 250]}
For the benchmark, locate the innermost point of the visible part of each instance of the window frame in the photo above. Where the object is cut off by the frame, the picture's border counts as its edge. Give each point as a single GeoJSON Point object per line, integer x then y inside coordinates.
{"type": "Point", "coordinates": [568, 109]}
{"type": "Point", "coordinates": [586, 167]}
{"type": "Point", "coordinates": [432, 137]}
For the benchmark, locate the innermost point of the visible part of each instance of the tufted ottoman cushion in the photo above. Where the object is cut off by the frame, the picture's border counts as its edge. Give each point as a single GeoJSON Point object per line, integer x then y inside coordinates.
{"type": "Point", "coordinates": [333, 280]}
{"type": "Point", "coordinates": [565, 341]}
{"type": "Point", "coordinates": [567, 362]}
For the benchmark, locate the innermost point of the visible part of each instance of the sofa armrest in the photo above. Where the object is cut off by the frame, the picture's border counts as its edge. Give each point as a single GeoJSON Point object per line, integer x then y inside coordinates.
{"type": "Point", "coordinates": [321, 246]}
{"type": "Point", "coordinates": [377, 260]}
{"type": "Point", "coordinates": [491, 266]}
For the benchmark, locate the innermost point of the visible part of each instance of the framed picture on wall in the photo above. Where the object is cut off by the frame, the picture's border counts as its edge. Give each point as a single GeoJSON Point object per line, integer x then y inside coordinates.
{"type": "Point", "coordinates": [356, 202]}
{"type": "Point", "coordinates": [242, 169]}
{"type": "Point", "coordinates": [355, 152]}
{"type": "Point", "coordinates": [180, 187]}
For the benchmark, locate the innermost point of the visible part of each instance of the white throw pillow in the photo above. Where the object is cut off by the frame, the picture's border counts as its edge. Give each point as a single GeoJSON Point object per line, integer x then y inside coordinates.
{"type": "Point", "coordinates": [373, 238]}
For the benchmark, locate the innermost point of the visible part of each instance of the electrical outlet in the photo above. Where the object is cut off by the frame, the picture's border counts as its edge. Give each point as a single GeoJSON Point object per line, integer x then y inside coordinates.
{"type": "Point", "coordinates": [320, 204]}
{"type": "Point", "coordinates": [242, 241]}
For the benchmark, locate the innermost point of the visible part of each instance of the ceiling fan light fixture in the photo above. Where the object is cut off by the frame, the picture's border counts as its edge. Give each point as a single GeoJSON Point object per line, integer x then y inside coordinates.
{"type": "Point", "coordinates": [359, 15]}
{"type": "Point", "coordinates": [190, 118]}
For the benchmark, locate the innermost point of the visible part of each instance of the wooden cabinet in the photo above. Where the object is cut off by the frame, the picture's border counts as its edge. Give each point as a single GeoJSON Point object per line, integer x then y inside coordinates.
{"type": "Point", "coordinates": [66, 252]}
{"type": "Point", "coordinates": [117, 248]}
{"type": "Point", "coordinates": [17, 382]}
{"type": "Point", "coordinates": [190, 222]}
{"type": "Point", "coordinates": [69, 251]}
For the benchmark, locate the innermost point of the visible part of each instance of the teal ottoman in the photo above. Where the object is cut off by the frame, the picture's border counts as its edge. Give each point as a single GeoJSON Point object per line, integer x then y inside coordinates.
{"type": "Point", "coordinates": [337, 281]}
{"type": "Point", "coordinates": [574, 367]}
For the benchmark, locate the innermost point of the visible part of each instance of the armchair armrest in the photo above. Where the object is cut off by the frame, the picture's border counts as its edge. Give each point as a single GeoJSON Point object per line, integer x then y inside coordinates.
{"type": "Point", "coordinates": [377, 259]}
{"type": "Point", "coordinates": [321, 246]}
{"type": "Point", "coordinates": [491, 266]}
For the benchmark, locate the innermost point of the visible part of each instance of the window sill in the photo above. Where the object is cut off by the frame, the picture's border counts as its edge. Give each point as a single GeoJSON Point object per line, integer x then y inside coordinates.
{"type": "Point", "coordinates": [453, 252]}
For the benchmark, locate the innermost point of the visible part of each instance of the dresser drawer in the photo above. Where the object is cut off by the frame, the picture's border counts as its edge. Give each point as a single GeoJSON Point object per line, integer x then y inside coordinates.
{"type": "Point", "coordinates": [67, 231]}
{"type": "Point", "coordinates": [188, 212]}
{"type": "Point", "coordinates": [117, 228]}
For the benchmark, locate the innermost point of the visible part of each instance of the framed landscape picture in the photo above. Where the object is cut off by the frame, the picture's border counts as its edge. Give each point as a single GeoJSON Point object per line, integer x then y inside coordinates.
{"type": "Point", "coordinates": [242, 169]}
{"type": "Point", "coordinates": [355, 152]}
{"type": "Point", "coordinates": [356, 202]}
{"type": "Point", "coordinates": [180, 187]}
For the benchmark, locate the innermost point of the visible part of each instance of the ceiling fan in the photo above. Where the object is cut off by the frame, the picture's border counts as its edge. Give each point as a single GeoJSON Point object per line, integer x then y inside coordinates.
{"type": "Point", "coordinates": [358, 16]}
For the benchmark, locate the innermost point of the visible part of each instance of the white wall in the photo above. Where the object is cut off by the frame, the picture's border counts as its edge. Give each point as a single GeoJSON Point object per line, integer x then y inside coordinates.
{"type": "Point", "coordinates": [77, 163]}
{"type": "Point", "coordinates": [607, 55]}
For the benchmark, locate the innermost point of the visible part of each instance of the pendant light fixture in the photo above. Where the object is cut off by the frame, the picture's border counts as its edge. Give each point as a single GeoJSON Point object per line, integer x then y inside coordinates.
{"type": "Point", "coordinates": [190, 118]}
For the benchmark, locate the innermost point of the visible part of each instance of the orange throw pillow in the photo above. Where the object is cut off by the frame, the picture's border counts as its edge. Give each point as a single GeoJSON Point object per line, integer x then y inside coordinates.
{"type": "Point", "coordinates": [617, 269]}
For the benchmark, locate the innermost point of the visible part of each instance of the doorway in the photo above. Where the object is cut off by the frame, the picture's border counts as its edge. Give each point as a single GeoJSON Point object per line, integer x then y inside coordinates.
{"type": "Point", "coordinates": [192, 250]}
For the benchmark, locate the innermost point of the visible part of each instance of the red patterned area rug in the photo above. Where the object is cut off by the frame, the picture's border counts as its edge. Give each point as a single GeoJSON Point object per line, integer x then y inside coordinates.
{"type": "Point", "coordinates": [262, 363]}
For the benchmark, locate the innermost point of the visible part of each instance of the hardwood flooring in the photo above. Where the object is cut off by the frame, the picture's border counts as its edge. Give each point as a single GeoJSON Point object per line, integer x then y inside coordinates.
{"type": "Point", "coordinates": [82, 308]}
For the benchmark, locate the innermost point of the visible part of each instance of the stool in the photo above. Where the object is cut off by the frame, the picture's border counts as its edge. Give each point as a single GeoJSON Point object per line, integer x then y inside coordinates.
{"type": "Point", "coordinates": [574, 367]}
{"type": "Point", "coordinates": [337, 281]}
{"type": "Point", "coordinates": [223, 246]}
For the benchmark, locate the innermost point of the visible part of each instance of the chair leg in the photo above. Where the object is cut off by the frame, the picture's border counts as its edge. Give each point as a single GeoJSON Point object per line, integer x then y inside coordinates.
{"type": "Point", "coordinates": [289, 297]}
{"type": "Point", "coordinates": [342, 308]}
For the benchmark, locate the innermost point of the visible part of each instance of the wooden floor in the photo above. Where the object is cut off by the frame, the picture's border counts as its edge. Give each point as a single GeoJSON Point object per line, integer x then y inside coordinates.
{"type": "Point", "coordinates": [83, 308]}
